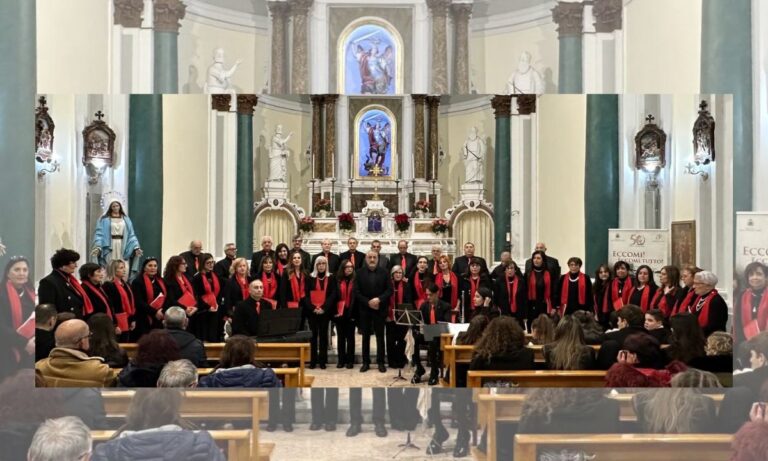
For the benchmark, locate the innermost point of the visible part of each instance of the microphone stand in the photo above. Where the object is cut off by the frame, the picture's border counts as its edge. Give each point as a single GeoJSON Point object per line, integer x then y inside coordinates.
{"type": "Point", "coordinates": [406, 445]}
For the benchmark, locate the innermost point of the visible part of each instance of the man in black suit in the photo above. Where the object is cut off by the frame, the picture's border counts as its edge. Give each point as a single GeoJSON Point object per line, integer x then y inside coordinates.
{"type": "Point", "coordinates": [383, 260]}
{"type": "Point", "coordinates": [45, 321]}
{"type": "Point", "coordinates": [433, 311]}
{"type": "Point", "coordinates": [333, 259]}
{"type": "Point", "coordinates": [306, 259]}
{"type": "Point", "coordinates": [461, 263]}
{"type": "Point", "coordinates": [372, 291]}
{"type": "Point", "coordinates": [193, 257]}
{"type": "Point", "coordinates": [631, 320]}
{"type": "Point", "coordinates": [222, 267]}
{"type": "Point", "coordinates": [552, 264]}
{"type": "Point", "coordinates": [357, 257]}
{"type": "Point", "coordinates": [404, 259]}
{"type": "Point", "coordinates": [266, 250]}
{"type": "Point", "coordinates": [433, 266]}
{"type": "Point", "coordinates": [60, 287]}
{"type": "Point", "coordinates": [498, 271]}
{"type": "Point", "coordinates": [245, 320]}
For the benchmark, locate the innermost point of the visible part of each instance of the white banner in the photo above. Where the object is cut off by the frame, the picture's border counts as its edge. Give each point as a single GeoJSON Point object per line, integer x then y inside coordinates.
{"type": "Point", "coordinates": [639, 247]}
{"type": "Point", "coordinates": [751, 239]}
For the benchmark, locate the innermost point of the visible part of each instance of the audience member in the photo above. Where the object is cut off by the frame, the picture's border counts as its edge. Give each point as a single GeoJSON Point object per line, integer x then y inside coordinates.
{"type": "Point", "coordinates": [178, 373]}
{"type": "Point", "coordinates": [502, 347]}
{"type": "Point", "coordinates": [686, 342]}
{"type": "Point", "coordinates": [155, 349]}
{"type": "Point", "coordinates": [593, 332]}
{"type": "Point", "coordinates": [62, 439]}
{"type": "Point", "coordinates": [238, 368]}
{"type": "Point", "coordinates": [569, 350]}
{"type": "Point", "coordinates": [542, 330]}
{"type": "Point", "coordinates": [190, 347]}
{"type": "Point", "coordinates": [45, 322]}
{"type": "Point", "coordinates": [103, 342]}
{"type": "Point", "coordinates": [641, 363]}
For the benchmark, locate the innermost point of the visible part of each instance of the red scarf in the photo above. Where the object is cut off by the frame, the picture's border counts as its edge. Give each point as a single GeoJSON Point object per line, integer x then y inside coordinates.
{"type": "Point", "coordinates": [746, 310]}
{"type": "Point", "coordinates": [270, 285]}
{"type": "Point", "coordinates": [242, 282]}
{"type": "Point", "coordinates": [186, 287]}
{"type": "Point", "coordinates": [473, 284]}
{"type": "Point", "coordinates": [126, 297]}
{"type": "Point", "coordinates": [324, 285]}
{"type": "Point", "coordinates": [346, 295]}
{"type": "Point", "coordinates": [644, 298]}
{"type": "Point", "coordinates": [280, 268]}
{"type": "Point", "coordinates": [87, 306]}
{"type": "Point", "coordinates": [151, 290]}
{"type": "Point", "coordinates": [547, 289]}
{"type": "Point", "coordinates": [397, 299]}
{"type": "Point", "coordinates": [421, 293]}
{"type": "Point", "coordinates": [15, 300]}
{"type": "Point", "coordinates": [207, 286]}
{"type": "Point", "coordinates": [703, 312]}
{"type": "Point", "coordinates": [297, 287]}
{"type": "Point", "coordinates": [454, 290]}
{"type": "Point", "coordinates": [659, 301]}
{"type": "Point", "coordinates": [683, 305]}
{"type": "Point", "coordinates": [99, 294]}
{"type": "Point", "coordinates": [582, 281]}
{"type": "Point", "coordinates": [512, 293]}
{"type": "Point", "coordinates": [624, 293]}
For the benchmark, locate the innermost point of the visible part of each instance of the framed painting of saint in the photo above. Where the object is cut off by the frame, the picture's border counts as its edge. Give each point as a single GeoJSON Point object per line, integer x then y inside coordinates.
{"type": "Point", "coordinates": [370, 57]}
{"type": "Point", "coordinates": [375, 143]}
{"type": "Point", "coordinates": [683, 243]}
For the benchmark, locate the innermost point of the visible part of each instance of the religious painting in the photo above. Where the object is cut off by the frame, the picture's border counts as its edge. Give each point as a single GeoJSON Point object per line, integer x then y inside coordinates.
{"type": "Point", "coordinates": [375, 153]}
{"type": "Point", "coordinates": [650, 144]}
{"type": "Point", "coordinates": [44, 127]}
{"type": "Point", "coordinates": [704, 136]}
{"type": "Point", "coordinates": [370, 58]}
{"type": "Point", "coordinates": [683, 243]}
{"type": "Point", "coordinates": [98, 148]}
{"type": "Point", "coordinates": [374, 222]}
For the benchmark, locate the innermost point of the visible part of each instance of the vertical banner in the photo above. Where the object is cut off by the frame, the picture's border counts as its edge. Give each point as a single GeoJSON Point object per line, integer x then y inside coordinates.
{"type": "Point", "coordinates": [751, 239]}
{"type": "Point", "coordinates": [639, 247]}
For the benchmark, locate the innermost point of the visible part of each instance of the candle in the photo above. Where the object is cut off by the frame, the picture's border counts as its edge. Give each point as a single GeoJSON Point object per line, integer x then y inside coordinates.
{"type": "Point", "coordinates": [509, 237]}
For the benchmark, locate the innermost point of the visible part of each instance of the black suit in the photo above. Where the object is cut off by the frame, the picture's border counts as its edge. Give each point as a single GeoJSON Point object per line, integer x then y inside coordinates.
{"type": "Point", "coordinates": [359, 258]}
{"type": "Point", "coordinates": [410, 263]}
{"type": "Point", "coordinates": [245, 320]}
{"type": "Point", "coordinates": [371, 284]}
{"type": "Point", "coordinates": [333, 262]}
{"type": "Point", "coordinates": [461, 265]}
{"type": "Point", "coordinates": [442, 314]}
{"type": "Point", "coordinates": [55, 289]}
{"type": "Point", "coordinates": [613, 342]}
{"type": "Point", "coordinates": [256, 261]}
{"type": "Point", "coordinates": [193, 262]}
{"type": "Point", "coordinates": [222, 268]}
{"type": "Point", "coordinates": [552, 265]}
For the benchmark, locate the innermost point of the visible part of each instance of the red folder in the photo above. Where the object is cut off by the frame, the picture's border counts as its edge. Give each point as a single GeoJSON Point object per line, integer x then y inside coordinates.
{"type": "Point", "coordinates": [27, 329]}
{"type": "Point", "coordinates": [122, 322]}
{"type": "Point", "coordinates": [752, 329]}
{"type": "Point", "coordinates": [293, 304]}
{"type": "Point", "coordinates": [187, 300]}
{"type": "Point", "coordinates": [157, 303]}
{"type": "Point", "coordinates": [317, 297]}
{"type": "Point", "coordinates": [271, 301]}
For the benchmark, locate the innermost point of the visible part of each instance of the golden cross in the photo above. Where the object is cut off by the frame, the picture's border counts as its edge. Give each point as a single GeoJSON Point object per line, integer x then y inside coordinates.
{"type": "Point", "coordinates": [375, 172]}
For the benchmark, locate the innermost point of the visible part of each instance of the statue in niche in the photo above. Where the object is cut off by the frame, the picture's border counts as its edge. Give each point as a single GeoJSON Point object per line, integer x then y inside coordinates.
{"type": "Point", "coordinates": [374, 222]}
{"type": "Point", "coordinates": [526, 79]}
{"type": "Point", "coordinates": [219, 78]}
{"type": "Point", "coordinates": [473, 153]}
{"type": "Point", "coordinates": [278, 156]}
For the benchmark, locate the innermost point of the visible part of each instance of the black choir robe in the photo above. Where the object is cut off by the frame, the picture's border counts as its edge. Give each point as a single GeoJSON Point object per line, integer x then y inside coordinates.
{"type": "Point", "coordinates": [461, 265]}
{"type": "Point", "coordinates": [465, 288]}
{"type": "Point", "coordinates": [501, 293]}
{"type": "Point", "coordinates": [175, 291]}
{"type": "Point", "coordinates": [56, 289]}
{"type": "Point", "coordinates": [245, 320]}
{"type": "Point", "coordinates": [572, 302]}
{"type": "Point", "coordinates": [256, 261]}
{"type": "Point", "coordinates": [98, 304]}
{"type": "Point", "coordinates": [410, 263]}
{"type": "Point", "coordinates": [331, 295]}
{"type": "Point", "coordinates": [145, 314]}
{"type": "Point", "coordinates": [359, 258]}
{"type": "Point", "coordinates": [194, 263]}
{"type": "Point", "coordinates": [222, 268]}
{"type": "Point", "coordinates": [285, 293]}
{"type": "Point", "coordinates": [206, 324]}
{"type": "Point", "coordinates": [333, 261]}
{"type": "Point", "coordinates": [717, 317]}
{"type": "Point", "coordinates": [636, 297]}
{"type": "Point", "coordinates": [233, 295]}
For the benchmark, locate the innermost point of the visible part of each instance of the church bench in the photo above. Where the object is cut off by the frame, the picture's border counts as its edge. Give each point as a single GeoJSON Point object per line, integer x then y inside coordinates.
{"type": "Point", "coordinates": [238, 443]}
{"type": "Point", "coordinates": [288, 376]}
{"type": "Point", "coordinates": [204, 404]}
{"type": "Point", "coordinates": [446, 339]}
{"type": "Point", "coordinates": [265, 352]}
{"type": "Point", "coordinates": [626, 447]}
{"type": "Point", "coordinates": [538, 378]}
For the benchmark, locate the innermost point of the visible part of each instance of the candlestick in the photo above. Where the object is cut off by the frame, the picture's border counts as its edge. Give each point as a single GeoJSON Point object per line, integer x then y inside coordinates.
{"type": "Point", "coordinates": [397, 193]}
{"type": "Point", "coordinates": [333, 196]}
{"type": "Point", "coordinates": [351, 195]}
{"type": "Point", "coordinates": [311, 204]}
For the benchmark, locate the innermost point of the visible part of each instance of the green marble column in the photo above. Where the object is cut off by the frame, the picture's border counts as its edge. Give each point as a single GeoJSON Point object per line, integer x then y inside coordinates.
{"type": "Point", "coordinates": [244, 178]}
{"type": "Point", "coordinates": [569, 18]}
{"type": "Point", "coordinates": [18, 80]}
{"type": "Point", "coordinates": [726, 68]}
{"type": "Point", "coordinates": [502, 189]}
{"type": "Point", "coordinates": [145, 171]}
{"type": "Point", "coordinates": [601, 177]}
{"type": "Point", "coordinates": [167, 17]}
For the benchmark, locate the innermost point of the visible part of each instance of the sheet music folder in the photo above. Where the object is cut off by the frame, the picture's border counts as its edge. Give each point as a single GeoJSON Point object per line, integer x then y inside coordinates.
{"type": "Point", "coordinates": [434, 331]}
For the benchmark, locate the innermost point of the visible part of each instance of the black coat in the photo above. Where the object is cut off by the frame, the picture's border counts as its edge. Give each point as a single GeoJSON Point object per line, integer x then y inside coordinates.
{"type": "Point", "coordinates": [410, 263]}
{"type": "Point", "coordinates": [552, 265]}
{"type": "Point", "coordinates": [333, 262]}
{"type": "Point", "coordinates": [222, 268]}
{"type": "Point", "coordinates": [442, 312]}
{"type": "Point", "coordinates": [233, 295]}
{"type": "Point", "coordinates": [190, 347]}
{"type": "Point", "coordinates": [359, 258]}
{"type": "Point", "coordinates": [501, 292]}
{"type": "Point", "coordinates": [331, 295]}
{"type": "Point", "coordinates": [55, 289]}
{"type": "Point", "coordinates": [99, 307]}
{"type": "Point", "coordinates": [44, 343]}
{"type": "Point", "coordinates": [461, 265]}
{"type": "Point", "coordinates": [256, 261]}
{"type": "Point", "coordinates": [175, 291]}
{"type": "Point", "coordinates": [245, 320]}
{"type": "Point", "coordinates": [194, 263]}
{"type": "Point", "coordinates": [115, 302]}
{"type": "Point", "coordinates": [372, 284]}
{"type": "Point", "coordinates": [12, 342]}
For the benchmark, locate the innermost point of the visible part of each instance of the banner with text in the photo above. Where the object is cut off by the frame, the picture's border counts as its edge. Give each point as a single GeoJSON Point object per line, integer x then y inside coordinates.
{"type": "Point", "coordinates": [751, 239]}
{"type": "Point", "coordinates": [639, 247]}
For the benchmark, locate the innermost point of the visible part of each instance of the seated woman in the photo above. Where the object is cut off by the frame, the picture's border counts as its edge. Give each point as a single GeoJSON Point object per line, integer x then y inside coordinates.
{"type": "Point", "coordinates": [641, 363]}
{"type": "Point", "coordinates": [103, 342]}
{"type": "Point", "coordinates": [502, 347]}
{"type": "Point", "coordinates": [237, 367]}
{"type": "Point", "coordinates": [592, 330]}
{"type": "Point", "coordinates": [687, 339]}
{"type": "Point", "coordinates": [542, 330]}
{"type": "Point", "coordinates": [569, 351]}
{"type": "Point", "coordinates": [155, 349]}
{"type": "Point", "coordinates": [569, 411]}
{"type": "Point", "coordinates": [155, 430]}
{"type": "Point", "coordinates": [719, 354]}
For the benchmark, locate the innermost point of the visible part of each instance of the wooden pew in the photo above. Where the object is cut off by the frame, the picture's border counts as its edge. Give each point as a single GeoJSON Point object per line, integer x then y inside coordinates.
{"type": "Point", "coordinates": [539, 378]}
{"type": "Point", "coordinates": [628, 447]}
{"type": "Point", "coordinates": [289, 376]}
{"type": "Point", "coordinates": [238, 442]}
{"type": "Point", "coordinates": [266, 352]}
{"type": "Point", "coordinates": [224, 405]}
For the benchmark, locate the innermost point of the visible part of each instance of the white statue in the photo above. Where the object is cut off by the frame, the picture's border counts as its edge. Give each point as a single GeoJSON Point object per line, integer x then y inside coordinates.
{"type": "Point", "coordinates": [526, 79]}
{"type": "Point", "coordinates": [278, 156]}
{"type": "Point", "coordinates": [219, 78]}
{"type": "Point", "coordinates": [474, 157]}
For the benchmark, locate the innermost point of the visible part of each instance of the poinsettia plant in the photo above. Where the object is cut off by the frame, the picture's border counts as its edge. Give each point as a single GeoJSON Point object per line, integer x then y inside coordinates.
{"type": "Point", "coordinates": [307, 224]}
{"type": "Point", "coordinates": [422, 205]}
{"type": "Point", "coordinates": [402, 222]}
{"type": "Point", "coordinates": [439, 226]}
{"type": "Point", "coordinates": [346, 221]}
{"type": "Point", "coordinates": [323, 205]}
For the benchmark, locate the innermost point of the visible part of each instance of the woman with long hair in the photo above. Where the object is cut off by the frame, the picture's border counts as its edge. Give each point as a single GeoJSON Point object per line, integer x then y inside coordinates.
{"type": "Point", "coordinates": [236, 288]}
{"type": "Point", "coordinates": [238, 367]}
{"type": "Point", "coordinates": [293, 285]}
{"type": "Point", "coordinates": [154, 350]}
{"type": "Point", "coordinates": [475, 278]}
{"type": "Point", "coordinates": [103, 342]}
{"type": "Point", "coordinates": [17, 304]}
{"type": "Point", "coordinates": [321, 286]}
{"type": "Point", "coordinates": [482, 303]}
{"type": "Point", "coordinates": [121, 298]}
{"type": "Point", "coordinates": [569, 351]}
{"type": "Point", "coordinates": [601, 289]}
{"type": "Point", "coordinates": [448, 283]}
{"type": "Point", "coordinates": [511, 293]}
{"type": "Point", "coordinates": [150, 295]}
{"type": "Point", "coordinates": [686, 341]}
{"type": "Point", "coordinates": [474, 332]}
{"type": "Point", "coordinates": [542, 330]}
{"type": "Point", "coordinates": [569, 411]}
{"type": "Point", "coordinates": [419, 281]}
{"type": "Point", "coordinates": [669, 288]}
{"type": "Point", "coordinates": [644, 290]}
{"type": "Point", "coordinates": [269, 276]}
{"type": "Point", "coordinates": [541, 288]}
{"type": "Point", "coordinates": [206, 324]}
{"type": "Point", "coordinates": [345, 315]}
{"type": "Point", "coordinates": [502, 347]}
{"type": "Point", "coordinates": [593, 332]}
{"type": "Point", "coordinates": [281, 254]}
{"type": "Point", "coordinates": [180, 291]}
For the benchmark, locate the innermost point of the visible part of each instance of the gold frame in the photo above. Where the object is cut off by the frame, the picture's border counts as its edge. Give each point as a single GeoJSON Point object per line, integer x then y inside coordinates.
{"type": "Point", "coordinates": [341, 53]}
{"type": "Point", "coordinates": [393, 146]}
{"type": "Point", "coordinates": [688, 227]}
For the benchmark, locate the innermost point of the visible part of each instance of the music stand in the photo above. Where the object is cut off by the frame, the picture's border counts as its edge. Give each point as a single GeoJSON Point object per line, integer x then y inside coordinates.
{"type": "Point", "coordinates": [405, 314]}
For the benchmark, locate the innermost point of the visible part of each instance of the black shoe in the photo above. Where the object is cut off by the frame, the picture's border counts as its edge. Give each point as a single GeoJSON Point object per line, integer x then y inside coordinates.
{"type": "Point", "coordinates": [365, 368]}
{"type": "Point", "coordinates": [441, 434]}
{"type": "Point", "coordinates": [350, 366]}
{"type": "Point", "coordinates": [315, 427]}
{"type": "Point", "coordinates": [271, 427]}
{"type": "Point", "coordinates": [380, 430]}
{"type": "Point", "coordinates": [322, 366]}
{"type": "Point", "coordinates": [461, 450]}
{"type": "Point", "coordinates": [420, 370]}
{"type": "Point", "coordinates": [288, 427]}
{"type": "Point", "coordinates": [432, 380]}
{"type": "Point", "coordinates": [330, 427]}
{"type": "Point", "coordinates": [434, 447]}
{"type": "Point", "coordinates": [416, 379]}
{"type": "Point", "coordinates": [312, 366]}
{"type": "Point", "coordinates": [340, 365]}
{"type": "Point", "coordinates": [382, 369]}
{"type": "Point", "coordinates": [354, 429]}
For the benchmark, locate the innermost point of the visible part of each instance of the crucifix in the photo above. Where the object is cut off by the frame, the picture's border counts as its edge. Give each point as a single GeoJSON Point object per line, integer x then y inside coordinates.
{"type": "Point", "coordinates": [99, 115]}
{"type": "Point", "coordinates": [649, 119]}
{"type": "Point", "coordinates": [376, 172]}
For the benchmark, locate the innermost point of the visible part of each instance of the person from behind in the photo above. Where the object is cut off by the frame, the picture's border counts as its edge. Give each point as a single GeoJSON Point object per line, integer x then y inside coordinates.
{"type": "Point", "coordinates": [750, 443]}
{"type": "Point", "coordinates": [719, 354]}
{"type": "Point", "coordinates": [754, 378]}
{"type": "Point", "coordinates": [154, 350]}
{"type": "Point", "coordinates": [238, 367]}
{"type": "Point", "coordinates": [502, 347]}
{"type": "Point", "coordinates": [641, 363]}
{"type": "Point", "coordinates": [103, 341]}
{"type": "Point", "coordinates": [542, 330]}
{"type": "Point", "coordinates": [178, 373]}
{"type": "Point", "coordinates": [630, 320]}
{"type": "Point", "coordinates": [687, 339]}
{"type": "Point", "coordinates": [569, 411]}
{"type": "Point", "coordinates": [45, 321]}
{"type": "Point", "coordinates": [592, 330]}
{"type": "Point", "coordinates": [569, 351]}
{"type": "Point", "coordinates": [61, 439]}
{"type": "Point", "coordinates": [190, 347]}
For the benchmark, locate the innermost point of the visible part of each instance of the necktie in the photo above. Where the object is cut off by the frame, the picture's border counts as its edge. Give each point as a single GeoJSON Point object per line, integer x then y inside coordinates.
{"type": "Point", "coordinates": [197, 263]}
{"type": "Point", "coordinates": [258, 307]}
{"type": "Point", "coordinates": [432, 315]}
{"type": "Point", "coordinates": [402, 263]}
{"type": "Point", "coordinates": [353, 259]}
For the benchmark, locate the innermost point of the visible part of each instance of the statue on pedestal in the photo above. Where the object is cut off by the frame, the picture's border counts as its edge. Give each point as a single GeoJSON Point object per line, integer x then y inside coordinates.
{"type": "Point", "coordinates": [219, 78]}
{"type": "Point", "coordinates": [278, 156]}
{"type": "Point", "coordinates": [526, 79]}
{"type": "Point", "coordinates": [474, 157]}
{"type": "Point", "coordinates": [114, 237]}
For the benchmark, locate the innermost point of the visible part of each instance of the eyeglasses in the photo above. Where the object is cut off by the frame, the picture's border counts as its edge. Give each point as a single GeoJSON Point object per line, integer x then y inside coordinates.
{"type": "Point", "coordinates": [88, 336]}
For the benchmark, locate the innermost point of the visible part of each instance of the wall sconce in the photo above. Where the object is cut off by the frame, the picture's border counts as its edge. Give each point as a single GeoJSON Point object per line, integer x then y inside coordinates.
{"type": "Point", "coordinates": [98, 148]}
{"type": "Point", "coordinates": [44, 128]}
{"type": "Point", "coordinates": [703, 143]}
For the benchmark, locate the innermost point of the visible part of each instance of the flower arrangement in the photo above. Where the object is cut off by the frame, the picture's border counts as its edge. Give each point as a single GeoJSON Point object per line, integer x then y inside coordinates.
{"type": "Point", "coordinates": [439, 226]}
{"type": "Point", "coordinates": [307, 224]}
{"type": "Point", "coordinates": [346, 221]}
{"type": "Point", "coordinates": [402, 222]}
{"type": "Point", "coordinates": [323, 205]}
{"type": "Point", "coordinates": [422, 205]}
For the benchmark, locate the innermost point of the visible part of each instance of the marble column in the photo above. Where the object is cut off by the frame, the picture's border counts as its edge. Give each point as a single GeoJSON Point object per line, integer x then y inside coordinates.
{"type": "Point", "coordinates": [167, 16]}
{"type": "Point", "coordinates": [128, 13]}
{"type": "Point", "coordinates": [726, 68]}
{"type": "Point", "coordinates": [433, 102]}
{"type": "Point", "coordinates": [603, 47]}
{"type": "Point", "coordinates": [244, 179]}
{"type": "Point", "coordinates": [279, 11]}
{"type": "Point", "coordinates": [502, 192]}
{"type": "Point", "coordinates": [300, 46]}
{"type": "Point", "coordinates": [330, 135]}
{"type": "Point", "coordinates": [318, 101]}
{"type": "Point", "coordinates": [569, 18]}
{"type": "Point", "coordinates": [439, 9]}
{"type": "Point", "coordinates": [601, 177]}
{"type": "Point", "coordinates": [419, 153]}
{"type": "Point", "coordinates": [17, 130]}
{"type": "Point", "coordinates": [461, 13]}
{"type": "Point", "coordinates": [145, 170]}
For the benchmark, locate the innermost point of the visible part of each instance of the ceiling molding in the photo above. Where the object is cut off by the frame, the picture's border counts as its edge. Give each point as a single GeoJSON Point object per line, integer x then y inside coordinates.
{"type": "Point", "coordinates": [514, 20]}
{"type": "Point", "coordinates": [287, 105]}
{"type": "Point", "coordinates": [201, 12]}
{"type": "Point", "coordinates": [477, 104]}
